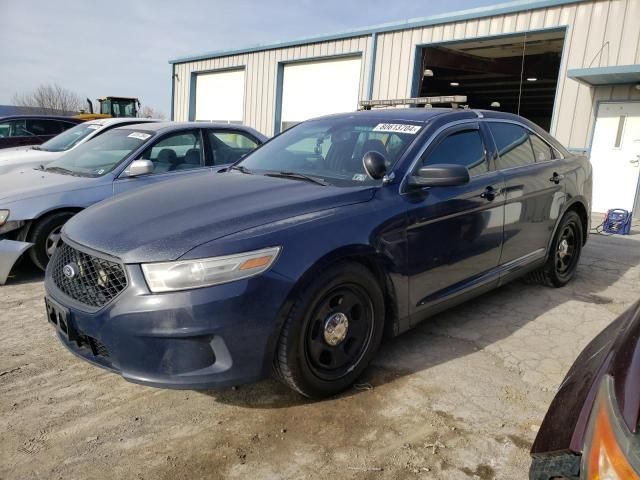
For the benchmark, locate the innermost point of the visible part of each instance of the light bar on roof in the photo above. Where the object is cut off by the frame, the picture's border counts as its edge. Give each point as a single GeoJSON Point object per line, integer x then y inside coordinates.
{"type": "Point", "coordinates": [414, 101]}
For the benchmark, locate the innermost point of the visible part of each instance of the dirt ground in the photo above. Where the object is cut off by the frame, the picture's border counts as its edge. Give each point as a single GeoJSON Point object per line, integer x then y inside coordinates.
{"type": "Point", "coordinates": [460, 397]}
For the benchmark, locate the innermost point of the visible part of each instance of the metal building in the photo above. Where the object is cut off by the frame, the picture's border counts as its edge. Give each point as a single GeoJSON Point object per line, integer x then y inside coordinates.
{"type": "Point", "coordinates": [571, 66]}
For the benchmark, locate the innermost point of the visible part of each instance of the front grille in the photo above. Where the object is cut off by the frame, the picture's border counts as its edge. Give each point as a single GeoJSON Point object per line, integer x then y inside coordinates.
{"type": "Point", "coordinates": [97, 347]}
{"type": "Point", "coordinates": [90, 280]}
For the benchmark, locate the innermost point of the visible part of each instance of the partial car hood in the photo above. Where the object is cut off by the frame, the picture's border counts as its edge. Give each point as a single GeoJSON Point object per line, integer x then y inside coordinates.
{"type": "Point", "coordinates": [14, 159]}
{"type": "Point", "coordinates": [163, 222]}
{"type": "Point", "coordinates": [31, 183]}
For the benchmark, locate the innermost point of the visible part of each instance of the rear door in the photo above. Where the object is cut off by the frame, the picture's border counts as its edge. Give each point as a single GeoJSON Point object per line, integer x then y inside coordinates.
{"type": "Point", "coordinates": [534, 191]}
{"type": "Point", "coordinates": [174, 155]}
{"type": "Point", "coordinates": [455, 233]}
{"type": "Point", "coordinates": [224, 147]}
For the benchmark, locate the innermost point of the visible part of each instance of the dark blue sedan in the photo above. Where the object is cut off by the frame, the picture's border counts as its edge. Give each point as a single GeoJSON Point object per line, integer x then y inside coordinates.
{"type": "Point", "coordinates": [303, 255]}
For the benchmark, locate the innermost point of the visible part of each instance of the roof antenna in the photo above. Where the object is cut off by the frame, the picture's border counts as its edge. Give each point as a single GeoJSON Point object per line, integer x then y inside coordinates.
{"type": "Point", "coordinates": [524, 48]}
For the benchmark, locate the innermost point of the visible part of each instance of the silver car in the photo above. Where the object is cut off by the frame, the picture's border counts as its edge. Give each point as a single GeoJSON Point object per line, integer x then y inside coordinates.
{"type": "Point", "coordinates": [36, 203]}
{"type": "Point", "coordinates": [34, 156]}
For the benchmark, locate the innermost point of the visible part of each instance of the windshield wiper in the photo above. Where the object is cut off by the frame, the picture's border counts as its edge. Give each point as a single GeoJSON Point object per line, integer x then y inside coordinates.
{"type": "Point", "coordinates": [298, 176]}
{"type": "Point", "coordinates": [240, 168]}
{"type": "Point", "coordinates": [36, 147]}
{"type": "Point", "coordinates": [62, 170]}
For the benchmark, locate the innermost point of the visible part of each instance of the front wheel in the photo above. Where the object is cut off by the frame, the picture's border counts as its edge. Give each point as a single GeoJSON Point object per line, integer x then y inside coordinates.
{"type": "Point", "coordinates": [45, 235]}
{"type": "Point", "coordinates": [332, 332]}
{"type": "Point", "coordinates": [564, 255]}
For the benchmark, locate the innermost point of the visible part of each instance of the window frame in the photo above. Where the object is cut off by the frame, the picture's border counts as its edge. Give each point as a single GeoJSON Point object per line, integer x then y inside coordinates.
{"type": "Point", "coordinates": [557, 154]}
{"type": "Point", "coordinates": [197, 131]}
{"type": "Point", "coordinates": [204, 131]}
{"type": "Point", "coordinates": [449, 130]}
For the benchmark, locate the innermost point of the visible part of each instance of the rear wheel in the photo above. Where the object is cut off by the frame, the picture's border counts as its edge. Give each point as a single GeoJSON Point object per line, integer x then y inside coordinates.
{"type": "Point", "coordinates": [565, 252]}
{"type": "Point", "coordinates": [45, 235]}
{"type": "Point", "coordinates": [332, 332]}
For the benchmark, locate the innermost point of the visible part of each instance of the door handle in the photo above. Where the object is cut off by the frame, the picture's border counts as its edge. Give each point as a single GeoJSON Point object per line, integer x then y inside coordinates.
{"type": "Point", "coordinates": [556, 178]}
{"type": "Point", "coordinates": [490, 193]}
{"type": "Point", "coordinates": [635, 162]}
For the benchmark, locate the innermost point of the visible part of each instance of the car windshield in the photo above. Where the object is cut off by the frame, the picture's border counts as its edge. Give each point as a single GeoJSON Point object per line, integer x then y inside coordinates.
{"type": "Point", "coordinates": [101, 155]}
{"type": "Point", "coordinates": [331, 149]}
{"type": "Point", "coordinates": [69, 138]}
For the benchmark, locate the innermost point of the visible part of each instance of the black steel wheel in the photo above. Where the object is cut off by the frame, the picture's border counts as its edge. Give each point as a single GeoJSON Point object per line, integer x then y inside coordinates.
{"type": "Point", "coordinates": [339, 332]}
{"type": "Point", "coordinates": [564, 254]}
{"type": "Point", "coordinates": [332, 331]}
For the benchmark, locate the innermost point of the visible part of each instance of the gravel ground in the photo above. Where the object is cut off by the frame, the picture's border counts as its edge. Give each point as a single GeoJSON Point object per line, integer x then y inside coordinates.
{"type": "Point", "coordinates": [460, 397]}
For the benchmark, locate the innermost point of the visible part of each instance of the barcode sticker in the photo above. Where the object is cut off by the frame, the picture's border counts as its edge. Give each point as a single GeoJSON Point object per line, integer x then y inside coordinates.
{"type": "Point", "coordinates": [139, 135]}
{"type": "Point", "coordinates": [397, 128]}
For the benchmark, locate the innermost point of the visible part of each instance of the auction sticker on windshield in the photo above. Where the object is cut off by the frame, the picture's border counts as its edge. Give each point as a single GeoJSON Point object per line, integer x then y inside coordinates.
{"type": "Point", "coordinates": [397, 128]}
{"type": "Point", "coordinates": [139, 135]}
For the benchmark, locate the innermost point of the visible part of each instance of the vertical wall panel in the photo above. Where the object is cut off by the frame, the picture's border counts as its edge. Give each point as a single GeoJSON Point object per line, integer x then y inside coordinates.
{"type": "Point", "coordinates": [590, 25]}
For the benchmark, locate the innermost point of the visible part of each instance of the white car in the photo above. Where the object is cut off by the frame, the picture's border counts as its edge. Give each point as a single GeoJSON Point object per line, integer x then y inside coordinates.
{"type": "Point", "coordinates": [22, 158]}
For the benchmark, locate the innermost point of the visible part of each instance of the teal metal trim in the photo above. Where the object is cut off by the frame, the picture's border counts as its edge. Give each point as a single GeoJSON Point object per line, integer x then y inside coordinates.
{"type": "Point", "coordinates": [277, 119]}
{"type": "Point", "coordinates": [372, 65]}
{"type": "Point", "coordinates": [192, 96]}
{"type": "Point", "coordinates": [173, 89]}
{"type": "Point", "coordinates": [278, 110]}
{"type": "Point", "coordinates": [596, 76]}
{"type": "Point", "coordinates": [473, 13]}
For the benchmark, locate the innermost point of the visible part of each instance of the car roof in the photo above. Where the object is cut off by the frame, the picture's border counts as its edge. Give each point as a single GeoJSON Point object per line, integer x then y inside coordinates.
{"type": "Point", "coordinates": [165, 126]}
{"type": "Point", "coordinates": [107, 122]}
{"type": "Point", "coordinates": [418, 114]}
{"type": "Point", "coordinates": [41, 117]}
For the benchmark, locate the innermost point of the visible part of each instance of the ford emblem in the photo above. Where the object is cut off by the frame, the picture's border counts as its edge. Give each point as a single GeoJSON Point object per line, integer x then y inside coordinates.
{"type": "Point", "coordinates": [70, 271]}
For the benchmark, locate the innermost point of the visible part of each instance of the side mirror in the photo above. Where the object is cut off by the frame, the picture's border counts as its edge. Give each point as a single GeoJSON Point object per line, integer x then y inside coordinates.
{"type": "Point", "coordinates": [375, 165]}
{"type": "Point", "coordinates": [140, 167]}
{"type": "Point", "coordinates": [443, 175]}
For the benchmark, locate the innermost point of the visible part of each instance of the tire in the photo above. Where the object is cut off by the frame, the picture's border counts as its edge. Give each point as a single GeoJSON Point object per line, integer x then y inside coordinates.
{"type": "Point", "coordinates": [44, 235]}
{"type": "Point", "coordinates": [318, 354]}
{"type": "Point", "coordinates": [564, 254]}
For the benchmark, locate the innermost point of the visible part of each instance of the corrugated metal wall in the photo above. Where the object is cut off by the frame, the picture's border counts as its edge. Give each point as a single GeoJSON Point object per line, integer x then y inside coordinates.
{"type": "Point", "coordinates": [595, 32]}
{"type": "Point", "coordinates": [260, 76]}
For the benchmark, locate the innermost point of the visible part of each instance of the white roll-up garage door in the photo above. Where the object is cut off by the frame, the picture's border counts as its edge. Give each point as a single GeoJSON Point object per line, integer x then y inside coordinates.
{"type": "Point", "coordinates": [220, 96]}
{"type": "Point", "coordinates": [312, 89]}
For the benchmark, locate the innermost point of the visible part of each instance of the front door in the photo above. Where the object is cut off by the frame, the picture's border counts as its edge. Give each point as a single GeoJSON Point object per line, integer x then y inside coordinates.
{"type": "Point", "coordinates": [615, 156]}
{"type": "Point", "coordinates": [455, 233]}
{"type": "Point", "coordinates": [173, 156]}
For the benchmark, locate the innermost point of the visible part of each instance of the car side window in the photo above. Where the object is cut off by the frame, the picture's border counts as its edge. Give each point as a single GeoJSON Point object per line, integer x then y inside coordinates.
{"type": "Point", "coordinates": [512, 142]}
{"type": "Point", "coordinates": [462, 148]}
{"type": "Point", "coordinates": [229, 146]}
{"type": "Point", "coordinates": [542, 151]}
{"type": "Point", "coordinates": [44, 127]}
{"type": "Point", "coordinates": [178, 151]}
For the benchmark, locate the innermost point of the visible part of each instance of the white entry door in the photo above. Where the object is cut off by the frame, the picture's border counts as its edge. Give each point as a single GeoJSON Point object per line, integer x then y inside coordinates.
{"type": "Point", "coordinates": [615, 156]}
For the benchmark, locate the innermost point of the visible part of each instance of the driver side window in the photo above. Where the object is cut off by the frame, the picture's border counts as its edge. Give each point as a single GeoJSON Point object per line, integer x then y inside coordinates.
{"type": "Point", "coordinates": [461, 148]}
{"type": "Point", "coordinates": [178, 151]}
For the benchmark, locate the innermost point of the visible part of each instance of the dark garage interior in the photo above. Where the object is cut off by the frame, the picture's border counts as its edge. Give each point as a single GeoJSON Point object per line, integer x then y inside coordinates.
{"type": "Point", "coordinates": [516, 74]}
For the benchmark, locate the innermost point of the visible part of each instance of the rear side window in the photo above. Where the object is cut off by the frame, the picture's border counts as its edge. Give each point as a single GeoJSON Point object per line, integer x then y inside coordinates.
{"type": "Point", "coordinates": [512, 142]}
{"type": "Point", "coordinates": [229, 147]}
{"type": "Point", "coordinates": [44, 127]}
{"type": "Point", "coordinates": [462, 148]}
{"type": "Point", "coordinates": [542, 151]}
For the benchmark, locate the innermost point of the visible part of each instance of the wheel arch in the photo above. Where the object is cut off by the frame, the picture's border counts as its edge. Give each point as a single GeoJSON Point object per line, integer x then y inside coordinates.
{"type": "Point", "coordinates": [28, 227]}
{"type": "Point", "coordinates": [366, 256]}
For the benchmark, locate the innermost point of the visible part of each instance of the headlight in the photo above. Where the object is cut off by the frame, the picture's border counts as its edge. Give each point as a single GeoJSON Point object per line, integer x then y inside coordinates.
{"type": "Point", "coordinates": [204, 272]}
{"type": "Point", "coordinates": [4, 214]}
{"type": "Point", "coordinates": [611, 450]}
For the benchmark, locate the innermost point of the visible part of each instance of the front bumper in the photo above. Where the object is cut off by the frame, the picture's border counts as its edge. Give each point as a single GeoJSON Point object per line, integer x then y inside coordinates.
{"type": "Point", "coordinates": [10, 252]}
{"type": "Point", "coordinates": [203, 338]}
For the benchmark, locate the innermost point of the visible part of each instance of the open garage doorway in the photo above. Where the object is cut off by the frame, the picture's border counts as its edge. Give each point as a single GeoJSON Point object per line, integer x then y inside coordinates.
{"type": "Point", "coordinates": [515, 73]}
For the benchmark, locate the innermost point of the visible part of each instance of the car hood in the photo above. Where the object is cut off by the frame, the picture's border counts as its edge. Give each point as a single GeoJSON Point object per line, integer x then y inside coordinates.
{"type": "Point", "coordinates": [30, 183]}
{"type": "Point", "coordinates": [615, 351]}
{"type": "Point", "coordinates": [163, 222]}
{"type": "Point", "coordinates": [24, 153]}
